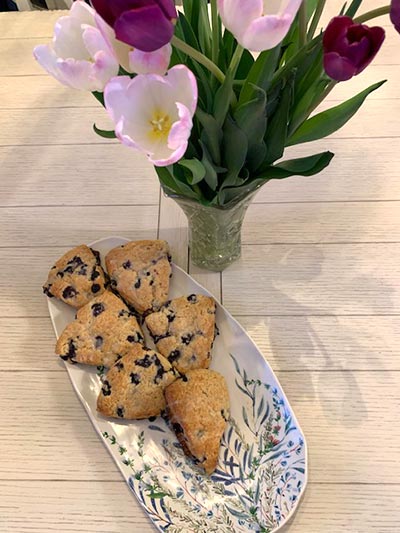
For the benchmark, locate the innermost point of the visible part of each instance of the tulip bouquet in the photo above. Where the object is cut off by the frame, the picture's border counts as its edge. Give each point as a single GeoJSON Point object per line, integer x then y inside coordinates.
{"type": "Point", "coordinates": [215, 92]}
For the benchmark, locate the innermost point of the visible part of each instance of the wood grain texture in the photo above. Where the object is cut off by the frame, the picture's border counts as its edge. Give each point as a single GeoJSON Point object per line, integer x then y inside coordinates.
{"type": "Point", "coordinates": [288, 343]}
{"type": "Point", "coordinates": [131, 222]}
{"type": "Point", "coordinates": [334, 409]}
{"type": "Point", "coordinates": [314, 280]}
{"type": "Point", "coordinates": [98, 507]}
{"type": "Point", "coordinates": [325, 315]}
{"type": "Point", "coordinates": [76, 175]}
{"type": "Point", "coordinates": [327, 342]}
{"type": "Point", "coordinates": [322, 223]}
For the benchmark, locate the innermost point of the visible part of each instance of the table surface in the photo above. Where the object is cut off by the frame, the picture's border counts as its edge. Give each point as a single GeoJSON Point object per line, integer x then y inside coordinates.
{"type": "Point", "coordinates": [317, 288]}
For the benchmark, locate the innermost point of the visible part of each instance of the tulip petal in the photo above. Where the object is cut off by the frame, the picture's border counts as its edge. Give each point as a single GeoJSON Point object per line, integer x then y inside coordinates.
{"type": "Point", "coordinates": [78, 74]}
{"type": "Point", "coordinates": [237, 15]}
{"type": "Point", "coordinates": [338, 68]}
{"type": "Point", "coordinates": [149, 62]}
{"type": "Point", "coordinates": [146, 28]}
{"type": "Point", "coordinates": [184, 85]}
{"type": "Point", "coordinates": [103, 8]}
{"type": "Point", "coordinates": [335, 31]}
{"type": "Point", "coordinates": [46, 57]}
{"type": "Point", "coordinates": [266, 32]}
{"type": "Point", "coordinates": [395, 14]}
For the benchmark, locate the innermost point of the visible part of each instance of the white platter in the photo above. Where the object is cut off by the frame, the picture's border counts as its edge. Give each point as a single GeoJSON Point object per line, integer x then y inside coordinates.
{"type": "Point", "coordinates": [262, 469]}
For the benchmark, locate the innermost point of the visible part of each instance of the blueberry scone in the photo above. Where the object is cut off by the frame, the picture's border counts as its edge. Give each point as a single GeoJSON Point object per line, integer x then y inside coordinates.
{"type": "Point", "coordinates": [134, 387]}
{"type": "Point", "coordinates": [198, 408]}
{"type": "Point", "coordinates": [140, 272]}
{"type": "Point", "coordinates": [77, 277]}
{"type": "Point", "coordinates": [183, 331]}
{"type": "Point", "coordinates": [104, 331]}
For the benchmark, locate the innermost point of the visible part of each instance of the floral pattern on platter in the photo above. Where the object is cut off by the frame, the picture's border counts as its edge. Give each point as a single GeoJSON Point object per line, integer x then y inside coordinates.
{"type": "Point", "coordinates": [260, 476]}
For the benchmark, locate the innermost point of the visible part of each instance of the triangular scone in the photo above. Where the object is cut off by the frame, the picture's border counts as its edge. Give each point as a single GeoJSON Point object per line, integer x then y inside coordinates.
{"type": "Point", "coordinates": [140, 272]}
{"type": "Point", "coordinates": [134, 387]}
{"type": "Point", "coordinates": [103, 332]}
{"type": "Point", "coordinates": [183, 331]}
{"type": "Point", "coordinates": [198, 408]}
{"type": "Point", "coordinates": [77, 277]}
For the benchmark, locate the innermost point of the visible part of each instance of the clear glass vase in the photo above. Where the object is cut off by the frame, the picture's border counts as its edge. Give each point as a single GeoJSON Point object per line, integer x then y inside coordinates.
{"type": "Point", "coordinates": [214, 232]}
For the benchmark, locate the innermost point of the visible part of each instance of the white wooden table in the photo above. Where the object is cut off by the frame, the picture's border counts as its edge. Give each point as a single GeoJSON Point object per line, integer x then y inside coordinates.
{"type": "Point", "coordinates": [317, 288]}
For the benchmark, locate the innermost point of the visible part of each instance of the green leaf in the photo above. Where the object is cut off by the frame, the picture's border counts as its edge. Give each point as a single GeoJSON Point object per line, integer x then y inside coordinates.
{"type": "Point", "coordinates": [332, 119]}
{"type": "Point", "coordinates": [303, 166]}
{"type": "Point", "coordinates": [107, 134]}
{"type": "Point", "coordinates": [234, 147]}
{"type": "Point", "coordinates": [196, 168]}
{"type": "Point", "coordinates": [211, 134]}
{"type": "Point", "coordinates": [260, 73]}
{"type": "Point", "coordinates": [276, 133]}
{"type": "Point", "coordinates": [353, 8]}
{"type": "Point", "coordinates": [245, 64]}
{"type": "Point", "coordinates": [99, 97]}
{"type": "Point", "coordinates": [186, 31]}
{"type": "Point", "coordinates": [211, 176]}
{"type": "Point", "coordinates": [222, 100]}
{"type": "Point", "coordinates": [251, 116]}
{"type": "Point", "coordinates": [204, 29]}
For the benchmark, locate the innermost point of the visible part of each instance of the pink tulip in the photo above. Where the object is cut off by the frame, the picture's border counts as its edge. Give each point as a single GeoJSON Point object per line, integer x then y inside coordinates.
{"type": "Point", "coordinates": [132, 59]}
{"type": "Point", "coordinates": [79, 56]}
{"type": "Point", "coordinates": [256, 24]}
{"type": "Point", "coordinates": [153, 114]}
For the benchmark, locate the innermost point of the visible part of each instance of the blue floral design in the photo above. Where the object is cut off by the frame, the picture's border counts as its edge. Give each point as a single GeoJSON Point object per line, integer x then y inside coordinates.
{"type": "Point", "coordinates": [258, 482]}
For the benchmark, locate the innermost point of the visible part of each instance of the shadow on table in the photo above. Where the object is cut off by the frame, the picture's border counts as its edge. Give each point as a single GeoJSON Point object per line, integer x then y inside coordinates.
{"type": "Point", "coordinates": [314, 359]}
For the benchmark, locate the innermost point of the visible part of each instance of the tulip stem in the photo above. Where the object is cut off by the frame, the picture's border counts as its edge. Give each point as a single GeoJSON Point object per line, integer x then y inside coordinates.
{"type": "Point", "coordinates": [378, 12]}
{"type": "Point", "coordinates": [237, 56]}
{"type": "Point", "coordinates": [199, 57]}
{"type": "Point", "coordinates": [316, 18]}
{"type": "Point", "coordinates": [303, 24]}
{"type": "Point", "coordinates": [215, 31]}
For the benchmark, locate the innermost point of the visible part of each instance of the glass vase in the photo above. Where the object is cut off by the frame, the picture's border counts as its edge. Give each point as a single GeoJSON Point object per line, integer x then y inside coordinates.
{"type": "Point", "coordinates": [214, 232]}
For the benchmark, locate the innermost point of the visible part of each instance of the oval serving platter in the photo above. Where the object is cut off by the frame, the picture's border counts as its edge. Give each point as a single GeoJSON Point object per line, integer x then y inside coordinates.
{"type": "Point", "coordinates": [262, 467]}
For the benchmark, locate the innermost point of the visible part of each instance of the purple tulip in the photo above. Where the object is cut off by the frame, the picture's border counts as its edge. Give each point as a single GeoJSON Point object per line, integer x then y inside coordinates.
{"type": "Point", "coordinates": [395, 14]}
{"type": "Point", "coordinates": [349, 47]}
{"type": "Point", "coordinates": [144, 24]}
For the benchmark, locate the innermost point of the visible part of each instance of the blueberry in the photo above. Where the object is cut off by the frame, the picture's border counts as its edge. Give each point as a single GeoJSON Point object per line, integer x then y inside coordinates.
{"type": "Point", "coordinates": [95, 288]}
{"type": "Point", "coordinates": [127, 265]}
{"type": "Point", "coordinates": [151, 282]}
{"type": "Point", "coordinates": [135, 378]}
{"type": "Point", "coordinates": [169, 257]}
{"type": "Point", "coordinates": [60, 274]}
{"type": "Point", "coordinates": [106, 388]}
{"type": "Point", "coordinates": [97, 309]}
{"type": "Point", "coordinates": [82, 271]}
{"type": "Point", "coordinates": [95, 274]}
{"type": "Point", "coordinates": [153, 261]}
{"type": "Point", "coordinates": [145, 362]}
{"type": "Point", "coordinates": [137, 284]}
{"type": "Point", "coordinates": [152, 418]}
{"type": "Point", "coordinates": [71, 352]}
{"type": "Point", "coordinates": [174, 356]}
{"type": "Point", "coordinates": [147, 273]}
{"type": "Point", "coordinates": [187, 338]}
{"type": "Point", "coordinates": [75, 261]}
{"type": "Point", "coordinates": [113, 283]}
{"type": "Point", "coordinates": [120, 412]}
{"type": "Point", "coordinates": [120, 366]}
{"type": "Point", "coordinates": [160, 373]}
{"type": "Point", "coordinates": [97, 255]}
{"type": "Point", "coordinates": [137, 337]}
{"type": "Point", "coordinates": [46, 290]}
{"type": "Point", "coordinates": [98, 342]}
{"type": "Point", "coordinates": [69, 292]}
{"type": "Point", "coordinates": [177, 428]}
{"type": "Point", "coordinates": [171, 317]}
{"type": "Point", "coordinates": [184, 378]}
{"type": "Point", "coordinates": [118, 357]}
{"type": "Point", "coordinates": [68, 270]}
{"type": "Point", "coordinates": [192, 298]}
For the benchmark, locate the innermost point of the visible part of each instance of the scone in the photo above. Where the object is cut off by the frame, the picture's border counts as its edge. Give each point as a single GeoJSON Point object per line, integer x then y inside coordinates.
{"type": "Point", "coordinates": [77, 277]}
{"type": "Point", "coordinates": [134, 387]}
{"type": "Point", "coordinates": [140, 272]}
{"type": "Point", "coordinates": [183, 331]}
{"type": "Point", "coordinates": [198, 408]}
{"type": "Point", "coordinates": [104, 331]}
